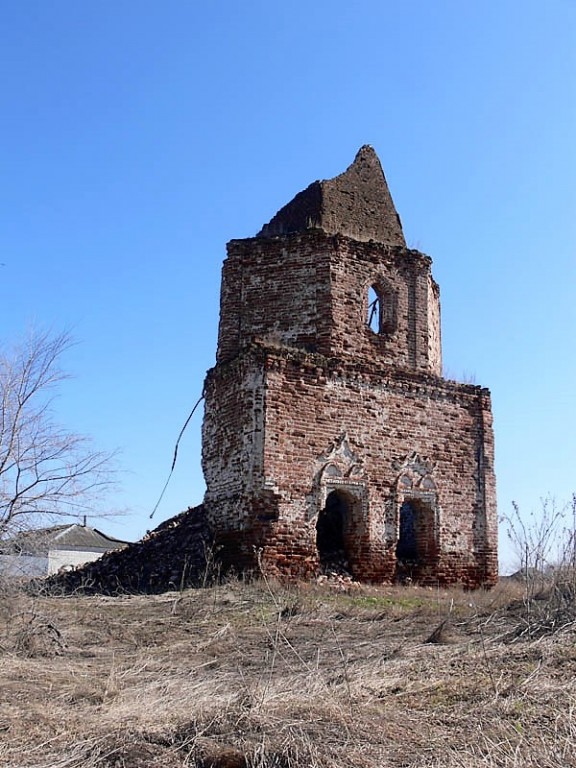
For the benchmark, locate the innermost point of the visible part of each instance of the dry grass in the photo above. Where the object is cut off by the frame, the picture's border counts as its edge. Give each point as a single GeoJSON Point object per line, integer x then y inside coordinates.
{"type": "Point", "coordinates": [263, 674]}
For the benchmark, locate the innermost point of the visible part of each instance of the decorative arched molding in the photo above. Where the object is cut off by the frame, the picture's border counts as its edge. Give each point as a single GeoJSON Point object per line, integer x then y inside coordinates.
{"type": "Point", "coordinates": [341, 456]}
{"type": "Point", "coordinates": [415, 484]}
{"type": "Point", "coordinates": [405, 482]}
{"type": "Point", "coordinates": [339, 469]}
{"type": "Point", "coordinates": [415, 474]}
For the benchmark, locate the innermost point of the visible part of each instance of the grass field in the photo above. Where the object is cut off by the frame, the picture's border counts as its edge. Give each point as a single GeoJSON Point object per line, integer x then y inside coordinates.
{"type": "Point", "coordinates": [289, 675]}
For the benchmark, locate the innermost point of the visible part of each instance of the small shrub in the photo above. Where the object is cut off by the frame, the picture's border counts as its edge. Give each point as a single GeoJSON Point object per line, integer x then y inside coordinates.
{"type": "Point", "coordinates": [546, 547]}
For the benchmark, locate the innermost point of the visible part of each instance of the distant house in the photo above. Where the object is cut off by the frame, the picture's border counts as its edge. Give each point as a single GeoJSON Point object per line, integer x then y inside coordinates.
{"type": "Point", "coordinates": [45, 551]}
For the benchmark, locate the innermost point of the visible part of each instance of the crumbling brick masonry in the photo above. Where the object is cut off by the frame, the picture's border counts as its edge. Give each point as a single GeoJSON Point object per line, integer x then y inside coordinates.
{"type": "Point", "coordinates": [330, 438]}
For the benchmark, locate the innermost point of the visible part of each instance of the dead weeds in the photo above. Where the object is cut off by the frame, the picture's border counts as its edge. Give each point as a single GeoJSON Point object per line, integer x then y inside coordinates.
{"type": "Point", "coordinates": [271, 675]}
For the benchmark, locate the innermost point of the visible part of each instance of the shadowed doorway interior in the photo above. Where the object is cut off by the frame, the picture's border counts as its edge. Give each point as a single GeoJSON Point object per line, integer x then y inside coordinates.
{"type": "Point", "coordinates": [330, 533]}
{"type": "Point", "coordinates": [417, 545]}
{"type": "Point", "coordinates": [407, 547]}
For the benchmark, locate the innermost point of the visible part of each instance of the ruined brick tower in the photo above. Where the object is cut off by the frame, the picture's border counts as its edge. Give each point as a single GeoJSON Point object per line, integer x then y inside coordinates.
{"type": "Point", "coordinates": [330, 438]}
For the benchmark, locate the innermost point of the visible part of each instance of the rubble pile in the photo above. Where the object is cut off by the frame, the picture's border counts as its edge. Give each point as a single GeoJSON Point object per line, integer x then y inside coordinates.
{"type": "Point", "coordinates": [177, 554]}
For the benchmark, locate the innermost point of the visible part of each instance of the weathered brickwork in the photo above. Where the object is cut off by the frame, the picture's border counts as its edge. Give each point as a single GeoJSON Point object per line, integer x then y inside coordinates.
{"type": "Point", "coordinates": [330, 439]}
{"type": "Point", "coordinates": [310, 290]}
{"type": "Point", "coordinates": [356, 203]}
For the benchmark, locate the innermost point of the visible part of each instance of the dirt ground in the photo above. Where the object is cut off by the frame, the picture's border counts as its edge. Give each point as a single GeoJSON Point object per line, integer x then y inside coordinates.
{"type": "Point", "coordinates": [263, 674]}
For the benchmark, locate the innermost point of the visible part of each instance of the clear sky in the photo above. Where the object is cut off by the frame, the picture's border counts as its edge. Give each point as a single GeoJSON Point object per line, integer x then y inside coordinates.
{"type": "Point", "coordinates": [139, 136]}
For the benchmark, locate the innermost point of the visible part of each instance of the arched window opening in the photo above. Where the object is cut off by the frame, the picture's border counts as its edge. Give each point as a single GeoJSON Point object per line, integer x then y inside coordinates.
{"type": "Point", "coordinates": [374, 309]}
{"type": "Point", "coordinates": [381, 313]}
{"type": "Point", "coordinates": [330, 532]}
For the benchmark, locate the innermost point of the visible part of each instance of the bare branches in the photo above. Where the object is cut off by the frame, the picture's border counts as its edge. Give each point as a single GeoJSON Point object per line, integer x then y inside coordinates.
{"type": "Point", "coordinates": [538, 539]}
{"type": "Point", "coordinates": [45, 470]}
{"type": "Point", "coordinates": [546, 546]}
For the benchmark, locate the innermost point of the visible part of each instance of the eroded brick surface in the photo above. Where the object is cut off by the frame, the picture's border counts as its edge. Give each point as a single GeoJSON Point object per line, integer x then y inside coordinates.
{"type": "Point", "coordinates": [355, 203]}
{"type": "Point", "coordinates": [332, 442]}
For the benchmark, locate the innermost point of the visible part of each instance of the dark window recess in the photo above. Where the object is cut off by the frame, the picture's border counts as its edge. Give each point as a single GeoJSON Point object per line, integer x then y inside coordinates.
{"type": "Point", "coordinates": [407, 547]}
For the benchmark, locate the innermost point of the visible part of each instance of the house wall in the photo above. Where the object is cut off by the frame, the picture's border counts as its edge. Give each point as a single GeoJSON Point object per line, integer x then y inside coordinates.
{"type": "Point", "coordinates": [65, 558]}
{"type": "Point", "coordinates": [23, 566]}
{"type": "Point", "coordinates": [29, 566]}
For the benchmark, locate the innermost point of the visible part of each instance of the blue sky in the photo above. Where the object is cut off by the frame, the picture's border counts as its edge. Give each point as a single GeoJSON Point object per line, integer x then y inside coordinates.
{"type": "Point", "coordinates": [138, 137]}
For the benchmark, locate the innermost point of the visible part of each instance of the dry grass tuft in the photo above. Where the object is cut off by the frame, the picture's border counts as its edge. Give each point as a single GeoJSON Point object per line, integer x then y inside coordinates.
{"type": "Point", "coordinates": [274, 675]}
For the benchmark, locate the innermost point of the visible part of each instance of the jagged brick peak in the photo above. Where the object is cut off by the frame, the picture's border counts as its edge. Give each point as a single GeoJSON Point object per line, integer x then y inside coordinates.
{"type": "Point", "coordinates": [356, 203]}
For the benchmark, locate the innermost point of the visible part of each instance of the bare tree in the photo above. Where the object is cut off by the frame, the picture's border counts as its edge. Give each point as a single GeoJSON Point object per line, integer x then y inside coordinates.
{"type": "Point", "coordinates": [45, 470]}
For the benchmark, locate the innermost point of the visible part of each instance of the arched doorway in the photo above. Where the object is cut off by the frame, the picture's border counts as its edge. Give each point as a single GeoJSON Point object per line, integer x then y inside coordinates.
{"type": "Point", "coordinates": [407, 546]}
{"type": "Point", "coordinates": [331, 528]}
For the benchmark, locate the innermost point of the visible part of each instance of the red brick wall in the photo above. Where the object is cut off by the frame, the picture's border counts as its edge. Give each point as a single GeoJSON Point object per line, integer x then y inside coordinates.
{"type": "Point", "coordinates": [396, 425]}
{"type": "Point", "coordinates": [306, 399]}
{"type": "Point", "coordinates": [310, 290]}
